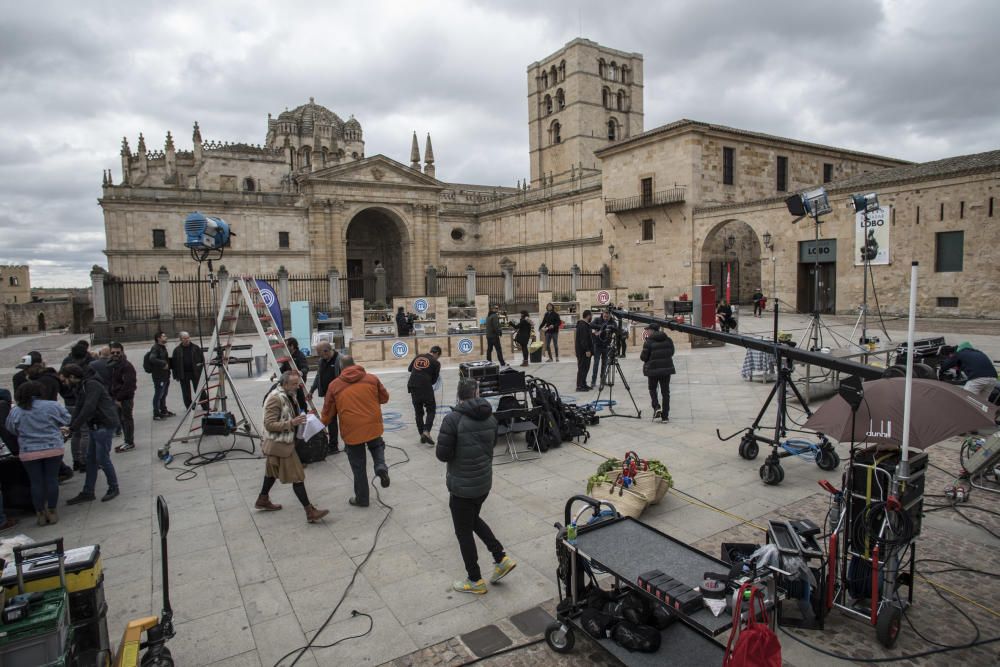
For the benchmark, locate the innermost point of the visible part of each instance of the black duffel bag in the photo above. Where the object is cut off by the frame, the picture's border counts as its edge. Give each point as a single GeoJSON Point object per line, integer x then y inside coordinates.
{"type": "Point", "coordinates": [634, 637]}
{"type": "Point", "coordinates": [314, 450]}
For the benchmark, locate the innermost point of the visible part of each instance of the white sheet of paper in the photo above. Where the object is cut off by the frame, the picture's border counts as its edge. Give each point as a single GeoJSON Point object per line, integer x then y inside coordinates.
{"type": "Point", "coordinates": [312, 426]}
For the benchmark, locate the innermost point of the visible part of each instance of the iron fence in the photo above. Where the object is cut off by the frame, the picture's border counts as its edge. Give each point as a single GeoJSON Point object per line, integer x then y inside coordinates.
{"type": "Point", "coordinates": [131, 299]}
{"type": "Point", "coordinates": [314, 289]}
{"type": "Point", "coordinates": [452, 287]}
{"type": "Point", "coordinates": [490, 284]}
{"type": "Point", "coordinates": [191, 297]}
{"type": "Point", "coordinates": [356, 287]}
{"type": "Point", "coordinates": [592, 281]}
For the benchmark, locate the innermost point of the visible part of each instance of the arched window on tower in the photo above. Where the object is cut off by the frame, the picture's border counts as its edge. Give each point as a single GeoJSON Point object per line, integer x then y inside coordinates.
{"type": "Point", "coordinates": [548, 104]}
{"type": "Point", "coordinates": [613, 71]}
{"type": "Point", "coordinates": [545, 80]}
{"type": "Point", "coordinates": [612, 130]}
{"type": "Point", "coordinates": [605, 102]}
{"type": "Point", "coordinates": [306, 156]}
{"type": "Point", "coordinates": [602, 69]}
{"type": "Point", "coordinates": [555, 133]}
{"type": "Point", "coordinates": [560, 99]}
{"type": "Point", "coordinates": [626, 73]}
{"type": "Point", "coordinates": [249, 185]}
{"type": "Point", "coordinates": [324, 155]}
{"type": "Point", "coordinates": [562, 70]}
{"type": "Point", "coordinates": [621, 100]}
{"type": "Point", "coordinates": [553, 75]}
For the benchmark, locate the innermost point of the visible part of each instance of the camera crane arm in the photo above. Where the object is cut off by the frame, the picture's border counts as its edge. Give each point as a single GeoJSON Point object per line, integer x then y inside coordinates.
{"type": "Point", "coordinates": [810, 358]}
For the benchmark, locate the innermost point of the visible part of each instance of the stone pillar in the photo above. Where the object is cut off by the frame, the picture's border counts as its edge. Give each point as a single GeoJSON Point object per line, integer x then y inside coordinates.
{"type": "Point", "coordinates": [575, 278]}
{"type": "Point", "coordinates": [508, 282]}
{"type": "Point", "coordinates": [432, 280]}
{"type": "Point", "coordinates": [470, 284]}
{"type": "Point", "coordinates": [163, 294]}
{"type": "Point", "coordinates": [543, 278]}
{"type": "Point", "coordinates": [284, 295]}
{"type": "Point", "coordinates": [380, 284]}
{"type": "Point", "coordinates": [657, 296]}
{"type": "Point", "coordinates": [333, 280]}
{"type": "Point", "coordinates": [97, 275]}
{"type": "Point", "coordinates": [605, 276]}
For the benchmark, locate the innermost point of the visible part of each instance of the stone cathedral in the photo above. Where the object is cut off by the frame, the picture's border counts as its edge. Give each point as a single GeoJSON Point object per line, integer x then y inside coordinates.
{"type": "Point", "coordinates": [668, 206]}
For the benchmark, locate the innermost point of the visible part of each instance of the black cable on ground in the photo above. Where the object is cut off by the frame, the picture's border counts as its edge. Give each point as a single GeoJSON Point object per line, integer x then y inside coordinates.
{"type": "Point", "coordinates": [199, 459]}
{"type": "Point", "coordinates": [509, 649]}
{"type": "Point", "coordinates": [907, 656]}
{"type": "Point", "coordinates": [357, 570]}
{"type": "Point", "coordinates": [954, 606]}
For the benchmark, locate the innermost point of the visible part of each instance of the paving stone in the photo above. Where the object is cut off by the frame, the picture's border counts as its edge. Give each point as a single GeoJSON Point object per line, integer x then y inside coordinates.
{"type": "Point", "coordinates": [486, 640]}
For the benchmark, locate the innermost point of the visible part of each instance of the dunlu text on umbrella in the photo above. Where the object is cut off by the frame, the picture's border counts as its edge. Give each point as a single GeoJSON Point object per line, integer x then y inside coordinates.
{"type": "Point", "coordinates": [885, 429]}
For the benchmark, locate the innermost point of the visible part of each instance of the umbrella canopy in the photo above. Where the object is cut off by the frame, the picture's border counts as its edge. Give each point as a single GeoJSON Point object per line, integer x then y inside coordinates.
{"type": "Point", "coordinates": [939, 411]}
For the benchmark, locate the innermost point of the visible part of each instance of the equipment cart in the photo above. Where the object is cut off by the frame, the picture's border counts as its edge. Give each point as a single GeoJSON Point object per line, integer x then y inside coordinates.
{"type": "Point", "coordinates": [626, 548]}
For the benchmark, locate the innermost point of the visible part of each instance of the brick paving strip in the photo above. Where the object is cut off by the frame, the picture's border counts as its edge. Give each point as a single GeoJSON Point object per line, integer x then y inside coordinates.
{"type": "Point", "coordinates": [930, 613]}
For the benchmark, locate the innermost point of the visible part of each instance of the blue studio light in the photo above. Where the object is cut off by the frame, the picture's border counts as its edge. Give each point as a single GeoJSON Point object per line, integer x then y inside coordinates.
{"type": "Point", "coordinates": [204, 232]}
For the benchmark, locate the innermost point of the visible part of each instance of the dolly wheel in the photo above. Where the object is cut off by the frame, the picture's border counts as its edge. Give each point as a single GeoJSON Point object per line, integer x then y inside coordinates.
{"type": "Point", "coordinates": [748, 448]}
{"type": "Point", "coordinates": [827, 459]}
{"type": "Point", "coordinates": [887, 625]}
{"type": "Point", "coordinates": [559, 637]}
{"type": "Point", "coordinates": [771, 474]}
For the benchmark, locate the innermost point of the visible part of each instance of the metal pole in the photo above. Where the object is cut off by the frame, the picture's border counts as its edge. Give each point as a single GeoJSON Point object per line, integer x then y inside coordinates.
{"type": "Point", "coordinates": [864, 302]}
{"type": "Point", "coordinates": [904, 461]}
{"type": "Point", "coordinates": [816, 271]}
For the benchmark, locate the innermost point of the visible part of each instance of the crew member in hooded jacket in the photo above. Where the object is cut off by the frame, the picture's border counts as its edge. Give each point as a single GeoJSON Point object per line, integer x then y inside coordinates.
{"type": "Point", "coordinates": [468, 435]}
{"type": "Point", "coordinates": [658, 365]}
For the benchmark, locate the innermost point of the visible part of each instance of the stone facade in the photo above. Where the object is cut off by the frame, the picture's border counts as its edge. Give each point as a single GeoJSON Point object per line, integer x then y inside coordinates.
{"type": "Point", "coordinates": [681, 204]}
{"type": "Point", "coordinates": [15, 283]}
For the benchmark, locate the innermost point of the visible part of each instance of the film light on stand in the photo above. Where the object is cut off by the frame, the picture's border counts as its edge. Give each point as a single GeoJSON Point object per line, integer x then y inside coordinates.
{"type": "Point", "coordinates": [811, 202]}
{"type": "Point", "coordinates": [866, 203]}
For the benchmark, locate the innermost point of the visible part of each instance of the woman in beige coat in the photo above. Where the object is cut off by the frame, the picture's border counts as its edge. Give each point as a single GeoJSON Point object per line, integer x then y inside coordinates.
{"type": "Point", "coordinates": [280, 422]}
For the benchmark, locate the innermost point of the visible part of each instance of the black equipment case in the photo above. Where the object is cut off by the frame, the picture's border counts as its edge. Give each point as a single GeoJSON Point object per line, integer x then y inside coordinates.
{"type": "Point", "coordinates": [485, 373]}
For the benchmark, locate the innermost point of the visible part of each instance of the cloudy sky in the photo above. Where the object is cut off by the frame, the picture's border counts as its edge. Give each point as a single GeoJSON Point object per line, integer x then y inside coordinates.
{"type": "Point", "coordinates": [912, 79]}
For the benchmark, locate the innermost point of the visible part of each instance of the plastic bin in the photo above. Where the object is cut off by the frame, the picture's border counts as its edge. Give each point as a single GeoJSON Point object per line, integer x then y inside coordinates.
{"type": "Point", "coordinates": [41, 638]}
{"type": "Point", "coordinates": [260, 363]}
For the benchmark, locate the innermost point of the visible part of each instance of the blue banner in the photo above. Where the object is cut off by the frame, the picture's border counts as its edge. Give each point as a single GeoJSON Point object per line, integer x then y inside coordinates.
{"type": "Point", "coordinates": [271, 301]}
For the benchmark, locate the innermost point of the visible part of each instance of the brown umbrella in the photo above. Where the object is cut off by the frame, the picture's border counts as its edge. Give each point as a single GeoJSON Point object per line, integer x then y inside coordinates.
{"type": "Point", "coordinates": [939, 411]}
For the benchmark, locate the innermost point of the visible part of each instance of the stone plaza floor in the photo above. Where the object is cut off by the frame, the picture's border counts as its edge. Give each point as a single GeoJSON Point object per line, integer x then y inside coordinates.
{"type": "Point", "coordinates": [248, 587]}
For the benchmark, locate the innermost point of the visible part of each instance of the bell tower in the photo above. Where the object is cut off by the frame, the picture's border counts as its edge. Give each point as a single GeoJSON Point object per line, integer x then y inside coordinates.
{"type": "Point", "coordinates": [581, 98]}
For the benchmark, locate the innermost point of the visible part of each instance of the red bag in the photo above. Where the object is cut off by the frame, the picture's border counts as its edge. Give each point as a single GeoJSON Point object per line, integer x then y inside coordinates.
{"type": "Point", "coordinates": [757, 645]}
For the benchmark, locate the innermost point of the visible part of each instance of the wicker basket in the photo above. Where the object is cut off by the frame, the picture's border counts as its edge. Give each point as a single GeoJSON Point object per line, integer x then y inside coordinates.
{"type": "Point", "coordinates": [651, 485]}
{"type": "Point", "coordinates": [628, 502]}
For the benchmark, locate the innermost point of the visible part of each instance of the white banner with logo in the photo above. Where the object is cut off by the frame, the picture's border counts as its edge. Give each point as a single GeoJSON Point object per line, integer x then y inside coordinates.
{"type": "Point", "coordinates": [871, 237]}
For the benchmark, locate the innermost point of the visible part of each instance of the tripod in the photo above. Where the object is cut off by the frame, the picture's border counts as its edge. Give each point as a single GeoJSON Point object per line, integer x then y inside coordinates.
{"type": "Point", "coordinates": [611, 368]}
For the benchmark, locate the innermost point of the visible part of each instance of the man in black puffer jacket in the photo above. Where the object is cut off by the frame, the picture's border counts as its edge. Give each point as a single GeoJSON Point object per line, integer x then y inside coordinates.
{"type": "Point", "coordinates": [468, 435]}
{"type": "Point", "coordinates": [97, 413]}
{"type": "Point", "coordinates": [658, 365]}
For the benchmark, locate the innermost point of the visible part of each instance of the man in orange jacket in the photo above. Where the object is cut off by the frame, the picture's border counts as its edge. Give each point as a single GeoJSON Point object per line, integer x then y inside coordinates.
{"type": "Point", "coordinates": [355, 397]}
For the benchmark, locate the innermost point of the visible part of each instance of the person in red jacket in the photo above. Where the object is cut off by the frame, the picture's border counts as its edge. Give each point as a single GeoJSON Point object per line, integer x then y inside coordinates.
{"type": "Point", "coordinates": [355, 399]}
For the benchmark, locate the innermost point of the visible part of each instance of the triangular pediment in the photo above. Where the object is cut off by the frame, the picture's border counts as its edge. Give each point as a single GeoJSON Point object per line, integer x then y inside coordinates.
{"type": "Point", "coordinates": [377, 169]}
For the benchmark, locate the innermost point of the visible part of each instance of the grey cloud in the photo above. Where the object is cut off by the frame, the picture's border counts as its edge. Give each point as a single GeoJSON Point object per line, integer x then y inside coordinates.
{"type": "Point", "coordinates": [911, 79]}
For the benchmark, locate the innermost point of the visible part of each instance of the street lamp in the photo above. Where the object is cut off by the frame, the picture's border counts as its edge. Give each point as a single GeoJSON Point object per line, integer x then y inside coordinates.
{"type": "Point", "coordinates": [730, 241]}
{"type": "Point", "coordinates": [769, 244]}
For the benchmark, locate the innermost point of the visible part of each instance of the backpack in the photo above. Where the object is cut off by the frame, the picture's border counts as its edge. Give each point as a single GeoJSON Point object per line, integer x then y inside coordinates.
{"type": "Point", "coordinates": [146, 364]}
{"type": "Point", "coordinates": [757, 645]}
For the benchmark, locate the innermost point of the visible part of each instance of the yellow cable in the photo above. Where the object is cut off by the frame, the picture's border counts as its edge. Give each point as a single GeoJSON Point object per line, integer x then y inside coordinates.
{"type": "Point", "coordinates": [960, 596]}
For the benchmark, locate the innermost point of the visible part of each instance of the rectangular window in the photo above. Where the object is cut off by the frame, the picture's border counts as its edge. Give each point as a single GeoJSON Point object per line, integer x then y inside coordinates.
{"type": "Point", "coordinates": [782, 173]}
{"type": "Point", "coordinates": [283, 239]}
{"type": "Point", "coordinates": [948, 250]}
{"type": "Point", "coordinates": [991, 207]}
{"type": "Point", "coordinates": [961, 210]}
{"type": "Point", "coordinates": [646, 186]}
{"type": "Point", "coordinates": [728, 161]}
{"type": "Point", "coordinates": [941, 216]}
{"type": "Point", "coordinates": [827, 172]}
{"type": "Point", "coordinates": [159, 238]}
{"type": "Point", "coordinates": [947, 302]}
{"type": "Point", "coordinates": [918, 215]}
{"type": "Point", "coordinates": [647, 230]}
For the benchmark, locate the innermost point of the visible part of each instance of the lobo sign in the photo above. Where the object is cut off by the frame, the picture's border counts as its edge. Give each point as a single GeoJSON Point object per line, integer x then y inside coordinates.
{"type": "Point", "coordinates": [871, 237]}
{"type": "Point", "coordinates": [603, 297]}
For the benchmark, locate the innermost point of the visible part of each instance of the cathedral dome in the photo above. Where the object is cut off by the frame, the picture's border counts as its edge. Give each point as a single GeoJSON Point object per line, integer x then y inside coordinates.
{"type": "Point", "coordinates": [308, 115]}
{"type": "Point", "coordinates": [352, 124]}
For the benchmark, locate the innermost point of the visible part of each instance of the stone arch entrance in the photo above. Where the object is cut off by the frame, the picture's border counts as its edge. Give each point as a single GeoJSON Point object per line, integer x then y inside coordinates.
{"type": "Point", "coordinates": [376, 237]}
{"type": "Point", "coordinates": [732, 249]}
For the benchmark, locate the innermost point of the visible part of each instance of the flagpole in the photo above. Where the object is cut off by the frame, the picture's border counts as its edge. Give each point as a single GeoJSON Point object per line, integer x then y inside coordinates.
{"type": "Point", "coordinates": [904, 462]}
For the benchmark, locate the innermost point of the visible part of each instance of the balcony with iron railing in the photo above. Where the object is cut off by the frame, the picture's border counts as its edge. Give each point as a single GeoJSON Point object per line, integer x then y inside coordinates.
{"type": "Point", "coordinates": [661, 198]}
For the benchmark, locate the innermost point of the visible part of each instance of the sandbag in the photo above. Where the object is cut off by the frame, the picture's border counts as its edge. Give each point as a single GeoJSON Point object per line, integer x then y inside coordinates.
{"type": "Point", "coordinates": [314, 450]}
{"type": "Point", "coordinates": [642, 638]}
{"type": "Point", "coordinates": [661, 617]}
{"type": "Point", "coordinates": [596, 623]}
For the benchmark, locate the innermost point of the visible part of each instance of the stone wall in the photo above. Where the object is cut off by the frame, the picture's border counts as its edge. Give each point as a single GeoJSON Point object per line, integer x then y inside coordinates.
{"type": "Point", "coordinates": [32, 317]}
{"type": "Point", "coordinates": [966, 208]}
